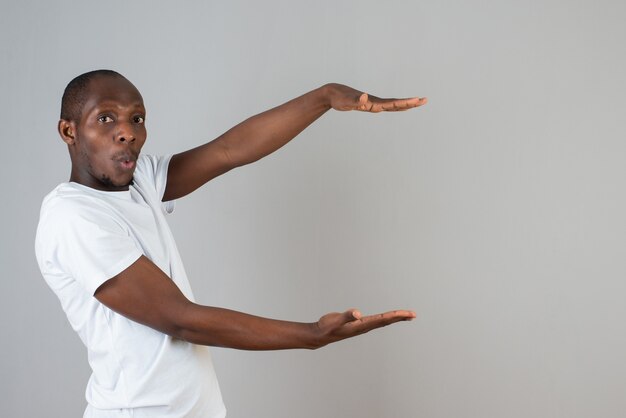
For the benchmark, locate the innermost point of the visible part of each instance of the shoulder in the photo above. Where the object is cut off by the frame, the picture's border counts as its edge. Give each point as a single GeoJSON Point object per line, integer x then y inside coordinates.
{"type": "Point", "coordinates": [73, 208]}
{"type": "Point", "coordinates": [83, 235]}
{"type": "Point", "coordinates": [70, 199]}
{"type": "Point", "coordinates": [64, 200]}
{"type": "Point", "coordinates": [73, 215]}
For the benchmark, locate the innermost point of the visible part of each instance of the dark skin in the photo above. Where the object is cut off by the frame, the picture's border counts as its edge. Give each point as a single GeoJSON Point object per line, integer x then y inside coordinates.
{"type": "Point", "coordinates": [104, 146]}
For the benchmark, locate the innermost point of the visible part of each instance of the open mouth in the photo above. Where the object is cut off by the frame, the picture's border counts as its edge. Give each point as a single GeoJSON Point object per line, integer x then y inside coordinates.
{"type": "Point", "coordinates": [126, 161]}
{"type": "Point", "coordinates": [127, 164]}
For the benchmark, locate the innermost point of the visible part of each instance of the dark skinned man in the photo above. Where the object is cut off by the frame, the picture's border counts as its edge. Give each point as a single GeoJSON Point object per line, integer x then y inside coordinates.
{"type": "Point", "coordinates": [105, 249]}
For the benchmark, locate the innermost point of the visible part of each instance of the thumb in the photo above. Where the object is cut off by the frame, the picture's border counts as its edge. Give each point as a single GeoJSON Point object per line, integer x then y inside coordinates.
{"type": "Point", "coordinates": [363, 100]}
{"type": "Point", "coordinates": [352, 315]}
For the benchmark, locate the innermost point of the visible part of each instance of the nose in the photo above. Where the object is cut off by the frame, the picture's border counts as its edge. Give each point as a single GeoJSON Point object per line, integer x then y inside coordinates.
{"type": "Point", "coordinates": [125, 133]}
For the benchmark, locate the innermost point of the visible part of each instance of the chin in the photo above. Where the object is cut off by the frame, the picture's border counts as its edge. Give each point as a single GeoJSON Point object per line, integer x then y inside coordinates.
{"type": "Point", "coordinates": [108, 182]}
{"type": "Point", "coordinates": [127, 183]}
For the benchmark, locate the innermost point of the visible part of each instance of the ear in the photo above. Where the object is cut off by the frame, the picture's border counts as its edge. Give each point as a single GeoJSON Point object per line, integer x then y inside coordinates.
{"type": "Point", "coordinates": [67, 130]}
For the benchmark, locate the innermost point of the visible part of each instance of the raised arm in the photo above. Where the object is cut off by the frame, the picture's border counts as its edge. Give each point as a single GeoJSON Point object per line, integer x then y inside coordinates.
{"type": "Point", "coordinates": [144, 294]}
{"type": "Point", "coordinates": [266, 132]}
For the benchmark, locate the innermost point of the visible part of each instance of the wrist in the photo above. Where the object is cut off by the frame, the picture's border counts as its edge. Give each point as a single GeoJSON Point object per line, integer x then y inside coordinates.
{"type": "Point", "coordinates": [314, 339]}
{"type": "Point", "coordinates": [327, 92]}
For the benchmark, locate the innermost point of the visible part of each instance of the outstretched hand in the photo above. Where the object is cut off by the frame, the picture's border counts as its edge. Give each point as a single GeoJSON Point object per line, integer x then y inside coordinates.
{"type": "Point", "coordinates": [339, 326]}
{"type": "Point", "coordinates": [344, 98]}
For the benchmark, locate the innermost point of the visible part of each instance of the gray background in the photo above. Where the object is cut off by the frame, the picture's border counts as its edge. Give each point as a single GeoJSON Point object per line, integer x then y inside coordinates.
{"type": "Point", "coordinates": [496, 211]}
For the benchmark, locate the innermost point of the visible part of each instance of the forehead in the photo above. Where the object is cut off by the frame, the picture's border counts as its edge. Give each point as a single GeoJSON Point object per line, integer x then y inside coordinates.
{"type": "Point", "coordinates": [111, 91]}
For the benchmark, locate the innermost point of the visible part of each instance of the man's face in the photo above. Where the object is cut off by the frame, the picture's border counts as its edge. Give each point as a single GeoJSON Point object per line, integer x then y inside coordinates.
{"type": "Point", "coordinates": [109, 135]}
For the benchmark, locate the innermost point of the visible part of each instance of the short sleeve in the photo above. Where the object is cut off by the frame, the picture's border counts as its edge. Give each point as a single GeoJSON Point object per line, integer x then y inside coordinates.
{"type": "Point", "coordinates": [86, 243]}
{"type": "Point", "coordinates": [152, 172]}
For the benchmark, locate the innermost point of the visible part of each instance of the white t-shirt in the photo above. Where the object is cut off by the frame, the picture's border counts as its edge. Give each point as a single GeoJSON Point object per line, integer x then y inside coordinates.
{"type": "Point", "coordinates": [85, 237]}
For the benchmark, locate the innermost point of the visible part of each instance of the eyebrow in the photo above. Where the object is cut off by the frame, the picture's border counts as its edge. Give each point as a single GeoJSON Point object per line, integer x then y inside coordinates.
{"type": "Point", "coordinates": [112, 105]}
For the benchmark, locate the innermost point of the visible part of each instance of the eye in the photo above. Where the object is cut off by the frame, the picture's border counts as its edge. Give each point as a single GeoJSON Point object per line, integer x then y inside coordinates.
{"type": "Point", "coordinates": [139, 119]}
{"type": "Point", "coordinates": [105, 119]}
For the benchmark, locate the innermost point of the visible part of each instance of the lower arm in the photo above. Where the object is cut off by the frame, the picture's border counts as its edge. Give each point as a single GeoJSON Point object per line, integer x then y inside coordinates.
{"type": "Point", "coordinates": [226, 328]}
{"type": "Point", "coordinates": [266, 132]}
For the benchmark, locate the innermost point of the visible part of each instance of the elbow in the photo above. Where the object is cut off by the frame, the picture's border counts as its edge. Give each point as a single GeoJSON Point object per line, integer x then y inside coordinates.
{"type": "Point", "coordinates": [191, 325]}
{"type": "Point", "coordinates": [180, 324]}
{"type": "Point", "coordinates": [176, 330]}
{"type": "Point", "coordinates": [185, 334]}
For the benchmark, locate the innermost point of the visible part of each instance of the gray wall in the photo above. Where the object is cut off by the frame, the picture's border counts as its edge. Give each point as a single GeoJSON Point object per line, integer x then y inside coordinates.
{"type": "Point", "coordinates": [496, 211]}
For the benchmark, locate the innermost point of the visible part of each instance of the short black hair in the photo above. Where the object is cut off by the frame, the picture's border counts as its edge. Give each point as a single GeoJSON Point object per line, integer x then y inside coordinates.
{"type": "Point", "coordinates": [75, 94]}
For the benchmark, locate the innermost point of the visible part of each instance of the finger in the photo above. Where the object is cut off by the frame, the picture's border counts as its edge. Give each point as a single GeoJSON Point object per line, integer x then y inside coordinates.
{"type": "Point", "coordinates": [397, 314]}
{"type": "Point", "coordinates": [387, 318]}
{"type": "Point", "coordinates": [376, 104]}
{"type": "Point", "coordinates": [403, 104]}
{"type": "Point", "coordinates": [372, 322]}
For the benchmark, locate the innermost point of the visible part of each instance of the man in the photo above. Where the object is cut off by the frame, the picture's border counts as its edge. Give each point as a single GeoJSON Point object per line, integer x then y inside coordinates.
{"type": "Point", "coordinates": [104, 247]}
